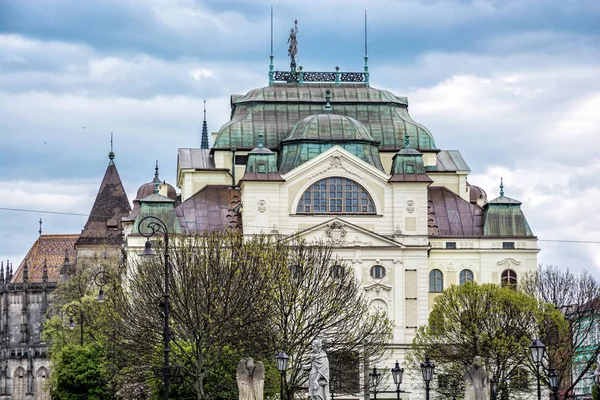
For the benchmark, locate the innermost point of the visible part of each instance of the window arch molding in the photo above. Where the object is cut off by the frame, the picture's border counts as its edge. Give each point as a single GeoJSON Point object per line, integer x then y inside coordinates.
{"type": "Point", "coordinates": [311, 185]}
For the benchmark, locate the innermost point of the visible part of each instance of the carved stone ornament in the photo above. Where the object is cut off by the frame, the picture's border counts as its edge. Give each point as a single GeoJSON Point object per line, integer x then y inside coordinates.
{"type": "Point", "coordinates": [336, 162]}
{"type": "Point", "coordinates": [410, 206]}
{"type": "Point", "coordinates": [496, 245]}
{"type": "Point", "coordinates": [436, 245]}
{"type": "Point", "coordinates": [509, 263]}
{"type": "Point", "coordinates": [521, 245]}
{"type": "Point", "coordinates": [336, 233]}
{"type": "Point", "coordinates": [466, 245]}
{"type": "Point", "coordinates": [262, 205]}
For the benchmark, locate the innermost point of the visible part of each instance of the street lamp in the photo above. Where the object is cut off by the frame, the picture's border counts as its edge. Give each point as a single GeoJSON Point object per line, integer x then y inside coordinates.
{"type": "Point", "coordinates": [397, 374]}
{"type": "Point", "coordinates": [494, 387]}
{"type": "Point", "coordinates": [71, 310]}
{"type": "Point", "coordinates": [100, 279]}
{"type": "Point", "coordinates": [427, 369]}
{"type": "Point", "coordinates": [282, 364]}
{"type": "Point", "coordinates": [375, 378]}
{"type": "Point", "coordinates": [537, 349]}
{"type": "Point", "coordinates": [553, 379]}
{"type": "Point", "coordinates": [156, 226]}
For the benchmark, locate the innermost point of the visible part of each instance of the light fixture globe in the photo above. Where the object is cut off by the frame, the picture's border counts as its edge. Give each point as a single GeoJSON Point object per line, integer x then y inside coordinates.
{"type": "Point", "coordinates": [71, 323]}
{"type": "Point", "coordinates": [282, 361]}
{"type": "Point", "coordinates": [101, 296]}
{"type": "Point", "coordinates": [397, 374]}
{"type": "Point", "coordinates": [374, 377]}
{"type": "Point", "coordinates": [149, 251]}
{"type": "Point", "coordinates": [537, 349]}
{"type": "Point", "coordinates": [427, 369]}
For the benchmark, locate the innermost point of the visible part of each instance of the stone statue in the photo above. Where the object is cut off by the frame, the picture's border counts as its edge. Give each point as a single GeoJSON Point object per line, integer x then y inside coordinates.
{"type": "Point", "coordinates": [318, 377]}
{"type": "Point", "coordinates": [597, 373]}
{"type": "Point", "coordinates": [477, 385]}
{"type": "Point", "coordinates": [293, 45]}
{"type": "Point", "coordinates": [250, 379]}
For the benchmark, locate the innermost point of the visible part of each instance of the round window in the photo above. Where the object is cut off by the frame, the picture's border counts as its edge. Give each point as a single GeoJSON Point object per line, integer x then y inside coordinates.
{"type": "Point", "coordinates": [377, 271]}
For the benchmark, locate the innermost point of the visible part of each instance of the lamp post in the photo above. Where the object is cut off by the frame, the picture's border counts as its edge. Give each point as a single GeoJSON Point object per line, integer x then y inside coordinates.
{"type": "Point", "coordinates": [553, 379]}
{"type": "Point", "coordinates": [375, 377]}
{"type": "Point", "coordinates": [397, 374]}
{"type": "Point", "coordinates": [537, 350]}
{"type": "Point", "coordinates": [71, 310]}
{"type": "Point", "coordinates": [282, 364]}
{"type": "Point", "coordinates": [494, 387]}
{"type": "Point", "coordinates": [427, 369]}
{"type": "Point", "coordinates": [156, 226]}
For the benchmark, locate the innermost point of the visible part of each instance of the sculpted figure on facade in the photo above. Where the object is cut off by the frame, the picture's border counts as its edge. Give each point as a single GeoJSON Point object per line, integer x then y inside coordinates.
{"type": "Point", "coordinates": [250, 379]}
{"type": "Point", "coordinates": [476, 382]}
{"type": "Point", "coordinates": [318, 377]}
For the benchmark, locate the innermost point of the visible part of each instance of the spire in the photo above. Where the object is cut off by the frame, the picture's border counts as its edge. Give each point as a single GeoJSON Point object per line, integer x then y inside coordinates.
{"type": "Point", "coordinates": [406, 141]}
{"type": "Point", "coordinates": [366, 54]}
{"type": "Point", "coordinates": [501, 188]}
{"type": "Point", "coordinates": [2, 271]}
{"type": "Point", "coordinates": [328, 99]}
{"type": "Point", "coordinates": [26, 272]}
{"type": "Point", "coordinates": [204, 139]}
{"type": "Point", "coordinates": [156, 179]}
{"type": "Point", "coordinates": [111, 155]}
{"type": "Point", "coordinates": [45, 272]}
{"type": "Point", "coordinates": [271, 66]}
{"type": "Point", "coordinates": [10, 273]}
{"type": "Point", "coordinates": [40, 227]}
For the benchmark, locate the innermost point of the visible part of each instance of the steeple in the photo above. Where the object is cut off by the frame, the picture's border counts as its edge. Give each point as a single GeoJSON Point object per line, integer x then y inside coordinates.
{"type": "Point", "coordinates": [204, 140]}
{"type": "Point", "coordinates": [103, 227]}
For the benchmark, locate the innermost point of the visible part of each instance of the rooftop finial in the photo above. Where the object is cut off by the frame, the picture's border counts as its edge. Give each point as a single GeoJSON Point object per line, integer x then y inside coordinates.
{"type": "Point", "coordinates": [111, 155]}
{"type": "Point", "coordinates": [156, 180]}
{"type": "Point", "coordinates": [327, 100]}
{"type": "Point", "coordinates": [204, 138]}
{"type": "Point", "coordinates": [40, 227]}
{"type": "Point", "coordinates": [156, 171]}
{"type": "Point", "coordinates": [271, 66]}
{"type": "Point", "coordinates": [406, 140]}
{"type": "Point", "coordinates": [501, 188]}
{"type": "Point", "coordinates": [366, 54]}
{"type": "Point", "coordinates": [293, 46]}
{"type": "Point", "coordinates": [260, 141]}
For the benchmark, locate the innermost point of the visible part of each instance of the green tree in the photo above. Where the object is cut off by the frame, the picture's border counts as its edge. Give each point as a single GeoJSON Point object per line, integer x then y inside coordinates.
{"type": "Point", "coordinates": [577, 297]}
{"type": "Point", "coordinates": [78, 374]}
{"type": "Point", "coordinates": [487, 321]}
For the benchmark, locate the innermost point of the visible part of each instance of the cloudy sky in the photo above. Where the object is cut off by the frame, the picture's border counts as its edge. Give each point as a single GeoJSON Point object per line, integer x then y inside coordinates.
{"type": "Point", "coordinates": [514, 85]}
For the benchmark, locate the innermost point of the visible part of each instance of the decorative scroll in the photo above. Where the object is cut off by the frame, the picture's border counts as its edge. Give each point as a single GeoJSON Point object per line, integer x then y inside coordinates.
{"type": "Point", "coordinates": [352, 77]}
{"type": "Point", "coordinates": [287, 76]}
{"type": "Point", "coordinates": [318, 76]}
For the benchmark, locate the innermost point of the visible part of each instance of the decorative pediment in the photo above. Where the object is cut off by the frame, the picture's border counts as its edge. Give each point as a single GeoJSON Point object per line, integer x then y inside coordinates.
{"type": "Point", "coordinates": [509, 263]}
{"type": "Point", "coordinates": [378, 291]}
{"type": "Point", "coordinates": [340, 233]}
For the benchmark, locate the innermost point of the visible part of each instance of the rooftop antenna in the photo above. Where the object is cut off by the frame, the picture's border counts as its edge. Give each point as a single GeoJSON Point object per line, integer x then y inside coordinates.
{"type": "Point", "coordinates": [40, 227]}
{"type": "Point", "coordinates": [271, 66]}
{"type": "Point", "coordinates": [204, 139]}
{"type": "Point", "coordinates": [111, 155]}
{"type": "Point", "coordinates": [366, 54]}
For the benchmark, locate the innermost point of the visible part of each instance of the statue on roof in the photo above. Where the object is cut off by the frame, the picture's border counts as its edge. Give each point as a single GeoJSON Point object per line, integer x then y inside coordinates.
{"type": "Point", "coordinates": [293, 45]}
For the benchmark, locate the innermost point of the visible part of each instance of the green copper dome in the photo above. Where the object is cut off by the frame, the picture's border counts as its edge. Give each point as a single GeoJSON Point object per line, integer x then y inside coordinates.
{"type": "Point", "coordinates": [316, 134]}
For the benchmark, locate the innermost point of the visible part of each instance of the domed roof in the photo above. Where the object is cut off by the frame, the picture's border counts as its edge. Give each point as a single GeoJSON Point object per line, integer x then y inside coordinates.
{"type": "Point", "coordinates": [329, 127]}
{"type": "Point", "coordinates": [148, 188]}
{"type": "Point", "coordinates": [477, 193]}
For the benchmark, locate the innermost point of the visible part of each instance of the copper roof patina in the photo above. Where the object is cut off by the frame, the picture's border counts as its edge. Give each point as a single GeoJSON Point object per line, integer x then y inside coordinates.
{"type": "Point", "coordinates": [452, 216]}
{"type": "Point", "coordinates": [274, 110]}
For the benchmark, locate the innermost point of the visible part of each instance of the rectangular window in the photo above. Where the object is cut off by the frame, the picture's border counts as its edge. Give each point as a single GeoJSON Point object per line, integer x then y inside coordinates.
{"type": "Point", "coordinates": [451, 245]}
{"type": "Point", "coordinates": [508, 245]}
{"type": "Point", "coordinates": [241, 160]}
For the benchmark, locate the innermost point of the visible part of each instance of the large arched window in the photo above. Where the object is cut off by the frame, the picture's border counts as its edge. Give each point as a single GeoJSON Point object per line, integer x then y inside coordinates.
{"type": "Point", "coordinates": [436, 281]}
{"type": "Point", "coordinates": [466, 275]}
{"type": "Point", "coordinates": [336, 196]}
{"type": "Point", "coordinates": [509, 278]}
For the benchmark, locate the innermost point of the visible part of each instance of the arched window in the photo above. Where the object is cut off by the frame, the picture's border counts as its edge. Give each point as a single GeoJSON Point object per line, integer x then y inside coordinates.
{"type": "Point", "coordinates": [509, 278]}
{"type": "Point", "coordinates": [336, 196]}
{"type": "Point", "coordinates": [377, 271]}
{"type": "Point", "coordinates": [41, 384]}
{"type": "Point", "coordinates": [466, 275]}
{"type": "Point", "coordinates": [19, 384]}
{"type": "Point", "coordinates": [436, 281]}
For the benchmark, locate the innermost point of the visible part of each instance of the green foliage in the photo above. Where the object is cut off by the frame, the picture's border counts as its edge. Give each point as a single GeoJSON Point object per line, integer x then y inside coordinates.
{"type": "Point", "coordinates": [487, 321]}
{"type": "Point", "coordinates": [78, 374]}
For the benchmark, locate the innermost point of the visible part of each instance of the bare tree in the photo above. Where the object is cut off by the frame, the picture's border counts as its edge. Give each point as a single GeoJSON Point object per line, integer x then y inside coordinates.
{"type": "Point", "coordinates": [576, 296]}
